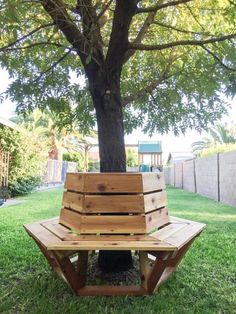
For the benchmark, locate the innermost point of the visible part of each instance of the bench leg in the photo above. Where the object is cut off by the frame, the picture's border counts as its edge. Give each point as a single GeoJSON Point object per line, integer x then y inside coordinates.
{"type": "Point", "coordinates": [164, 265]}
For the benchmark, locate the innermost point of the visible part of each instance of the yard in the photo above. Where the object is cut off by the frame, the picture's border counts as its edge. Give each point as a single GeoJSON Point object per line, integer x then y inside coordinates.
{"type": "Point", "coordinates": [204, 283]}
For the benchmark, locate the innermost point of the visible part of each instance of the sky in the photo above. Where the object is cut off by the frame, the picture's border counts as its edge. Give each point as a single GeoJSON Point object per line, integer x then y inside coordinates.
{"type": "Point", "coordinates": [170, 142]}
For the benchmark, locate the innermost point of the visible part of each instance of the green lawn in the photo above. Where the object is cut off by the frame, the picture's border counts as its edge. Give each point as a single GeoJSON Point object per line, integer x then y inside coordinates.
{"type": "Point", "coordinates": [204, 283]}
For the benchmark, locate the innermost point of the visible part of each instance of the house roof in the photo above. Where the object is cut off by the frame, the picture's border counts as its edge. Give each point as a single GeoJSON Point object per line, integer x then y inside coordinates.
{"type": "Point", "coordinates": [7, 123]}
{"type": "Point", "coordinates": [149, 147]}
{"type": "Point", "coordinates": [180, 156]}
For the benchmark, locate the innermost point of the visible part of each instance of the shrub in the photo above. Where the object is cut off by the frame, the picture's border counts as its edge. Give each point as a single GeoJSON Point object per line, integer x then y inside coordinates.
{"type": "Point", "coordinates": [75, 157]}
{"type": "Point", "coordinates": [28, 154]}
{"type": "Point", "coordinates": [217, 148]}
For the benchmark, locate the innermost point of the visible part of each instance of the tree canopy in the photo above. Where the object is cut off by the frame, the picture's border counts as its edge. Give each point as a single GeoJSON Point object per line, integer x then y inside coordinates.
{"type": "Point", "coordinates": [176, 56]}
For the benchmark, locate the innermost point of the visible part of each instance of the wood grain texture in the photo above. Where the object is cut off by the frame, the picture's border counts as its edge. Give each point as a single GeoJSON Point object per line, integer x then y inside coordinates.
{"type": "Point", "coordinates": [114, 182]}
{"type": "Point", "coordinates": [153, 181]}
{"type": "Point", "coordinates": [156, 219]}
{"type": "Point", "coordinates": [114, 203]}
{"type": "Point", "coordinates": [155, 200]}
{"type": "Point", "coordinates": [73, 201]}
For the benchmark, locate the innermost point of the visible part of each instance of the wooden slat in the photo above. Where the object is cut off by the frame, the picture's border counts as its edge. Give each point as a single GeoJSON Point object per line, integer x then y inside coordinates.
{"type": "Point", "coordinates": [66, 234]}
{"type": "Point", "coordinates": [111, 290]}
{"type": "Point", "coordinates": [43, 236]}
{"type": "Point", "coordinates": [156, 219]}
{"type": "Point", "coordinates": [167, 231]}
{"type": "Point", "coordinates": [155, 200]}
{"type": "Point", "coordinates": [184, 235]}
{"type": "Point", "coordinates": [114, 203]}
{"type": "Point", "coordinates": [113, 224]}
{"type": "Point", "coordinates": [74, 201]}
{"type": "Point", "coordinates": [74, 182]}
{"type": "Point", "coordinates": [153, 181]}
{"type": "Point", "coordinates": [112, 245]}
{"type": "Point", "coordinates": [113, 183]}
{"type": "Point", "coordinates": [70, 219]}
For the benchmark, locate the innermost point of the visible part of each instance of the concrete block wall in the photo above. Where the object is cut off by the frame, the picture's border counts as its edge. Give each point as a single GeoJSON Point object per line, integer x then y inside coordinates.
{"type": "Point", "coordinates": [207, 176]}
{"type": "Point", "coordinates": [172, 176]}
{"type": "Point", "coordinates": [178, 168]}
{"type": "Point", "coordinates": [189, 176]}
{"type": "Point", "coordinates": [227, 178]}
{"type": "Point", "coordinates": [213, 176]}
{"type": "Point", "coordinates": [167, 174]}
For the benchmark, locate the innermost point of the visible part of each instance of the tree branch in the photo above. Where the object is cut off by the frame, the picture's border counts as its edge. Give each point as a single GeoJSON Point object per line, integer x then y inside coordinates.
{"type": "Point", "coordinates": [181, 43]}
{"type": "Point", "coordinates": [26, 36]}
{"type": "Point", "coordinates": [118, 44]}
{"type": "Point", "coordinates": [147, 89]}
{"type": "Point", "coordinates": [45, 43]}
{"type": "Point", "coordinates": [104, 9]}
{"type": "Point", "coordinates": [91, 27]}
{"type": "Point", "coordinates": [51, 67]}
{"type": "Point", "coordinates": [149, 20]}
{"type": "Point", "coordinates": [57, 10]}
{"type": "Point", "coordinates": [160, 6]}
{"type": "Point", "coordinates": [181, 30]}
{"type": "Point", "coordinates": [218, 59]}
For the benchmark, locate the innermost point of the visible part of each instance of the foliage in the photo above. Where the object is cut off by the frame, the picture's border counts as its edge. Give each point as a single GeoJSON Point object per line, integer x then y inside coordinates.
{"type": "Point", "coordinates": [93, 166]}
{"type": "Point", "coordinates": [221, 136]}
{"type": "Point", "coordinates": [177, 60]}
{"type": "Point", "coordinates": [131, 157]}
{"type": "Point", "coordinates": [27, 156]}
{"type": "Point", "coordinates": [217, 148]}
{"type": "Point", "coordinates": [203, 283]}
{"type": "Point", "coordinates": [75, 157]}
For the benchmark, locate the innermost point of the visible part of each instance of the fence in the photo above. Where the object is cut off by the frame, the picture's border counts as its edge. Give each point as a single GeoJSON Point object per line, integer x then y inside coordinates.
{"type": "Point", "coordinates": [56, 170]}
{"type": "Point", "coordinates": [213, 176]}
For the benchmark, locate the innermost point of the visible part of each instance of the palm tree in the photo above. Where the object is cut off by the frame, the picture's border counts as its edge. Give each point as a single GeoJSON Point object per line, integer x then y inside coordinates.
{"type": "Point", "coordinates": [220, 134]}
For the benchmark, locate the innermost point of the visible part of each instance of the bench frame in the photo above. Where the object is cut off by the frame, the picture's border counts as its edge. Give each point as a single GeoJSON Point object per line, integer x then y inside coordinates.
{"type": "Point", "coordinates": [167, 246]}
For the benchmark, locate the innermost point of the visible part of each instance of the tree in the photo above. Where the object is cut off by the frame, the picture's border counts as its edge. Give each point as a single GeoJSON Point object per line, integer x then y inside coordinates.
{"type": "Point", "coordinates": [220, 134]}
{"type": "Point", "coordinates": [156, 64]}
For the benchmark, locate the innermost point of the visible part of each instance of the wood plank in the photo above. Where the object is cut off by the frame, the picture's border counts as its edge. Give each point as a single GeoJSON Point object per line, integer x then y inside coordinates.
{"type": "Point", "coordinates": [43, 236]}
{"type": "Point", "coordinates": [183, 236]}
{"type": "Point", "coordinates": [70, 219]}
{"type": "Point", "coordinates": [112, 224]}
{"type": "Point", "coordinates": [168, 230]}
{"type": "Point", "coordinates": [156, 219]}
{"type": "Point", "coordinates": [144, 268]}
{"type": "Point", "coordinates": [73, 201]}
{"type": "Point", "coordinates": [112, 245]}
{"type": "Point", "coordinates": [66, 234]}
{"type": "Point", "coordinates": [155, 200]}
{"type": "Point", "coordinates": [113, 183]}
{"type": "Point", "coordinates": [82, 268]}
{"type": "Point", "coordinates": [74, 182]}
{"type": "Point", "coordinates": [111, 290]}
{"type": "Point", "coordinates": [114, 203]}
{"type": "Point", "coordinates": [153, 181]}
{"type": "Point", "coordinates": [157, 271]}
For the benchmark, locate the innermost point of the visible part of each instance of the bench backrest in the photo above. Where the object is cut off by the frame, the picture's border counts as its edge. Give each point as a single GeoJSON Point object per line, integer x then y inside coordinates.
{"type": "Point", "coordinates": [114, 203]}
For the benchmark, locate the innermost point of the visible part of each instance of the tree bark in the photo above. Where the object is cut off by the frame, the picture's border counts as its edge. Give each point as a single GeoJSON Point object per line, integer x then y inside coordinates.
{"type": "Point", "coordinates": [107, 102]}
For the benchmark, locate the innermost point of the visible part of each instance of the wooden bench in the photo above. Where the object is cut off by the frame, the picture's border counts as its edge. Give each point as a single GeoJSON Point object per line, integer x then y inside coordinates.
{"type": "Point", "coordinates": [117, 211]}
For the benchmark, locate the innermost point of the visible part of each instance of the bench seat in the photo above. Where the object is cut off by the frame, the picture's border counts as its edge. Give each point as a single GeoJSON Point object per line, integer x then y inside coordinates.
{"type": "Point", "coordinates": [54, 236]}
{"type": "Point", "coordinates": [166, 246]}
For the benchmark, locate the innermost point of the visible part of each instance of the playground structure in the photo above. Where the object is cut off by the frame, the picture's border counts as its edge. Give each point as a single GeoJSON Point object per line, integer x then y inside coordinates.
{"type": "Point", "coordinates": [153, 149]}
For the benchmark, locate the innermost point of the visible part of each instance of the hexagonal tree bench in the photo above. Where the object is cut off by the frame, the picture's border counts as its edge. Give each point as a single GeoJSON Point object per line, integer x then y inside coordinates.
{"type": "Point", "coordinates": [114, 211]}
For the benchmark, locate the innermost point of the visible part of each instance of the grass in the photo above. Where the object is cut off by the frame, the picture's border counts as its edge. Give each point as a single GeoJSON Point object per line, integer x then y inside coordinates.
{"type": "Point", "coordinates": [204, 282]}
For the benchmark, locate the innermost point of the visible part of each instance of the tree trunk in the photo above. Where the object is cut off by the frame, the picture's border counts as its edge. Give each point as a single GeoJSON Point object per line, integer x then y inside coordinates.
{"type": "Point", "coordinates": [107, 102]}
